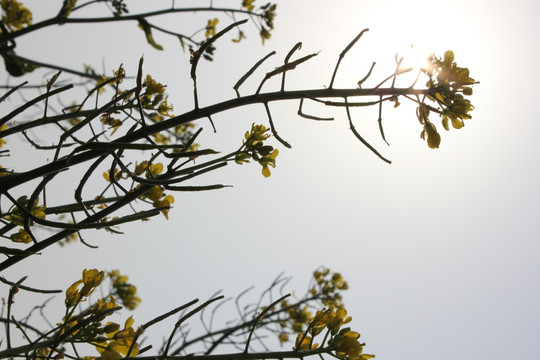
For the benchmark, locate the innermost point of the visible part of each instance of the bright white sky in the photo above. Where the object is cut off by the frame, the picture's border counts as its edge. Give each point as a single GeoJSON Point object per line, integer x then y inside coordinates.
{"type": "Point", "coordinates": [440, 248]}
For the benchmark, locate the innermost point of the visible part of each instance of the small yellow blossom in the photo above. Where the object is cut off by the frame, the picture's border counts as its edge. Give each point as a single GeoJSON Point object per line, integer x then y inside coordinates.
{"type": "Point", "coordinates": [269, 160]}
{"type": "Point", "coordinates": [91, 279]}
{"type": "Point", "coordinates": [303, 343]}
{"type": "Point", "coordinates": [22, 237]}
{"type": "Point", "coordinates": [2, 128]}
{"type": "Point", "coordinates": [166, 201]}
{"type": "Point", "coordinates": [72, 294]}
{"type": "Point", "coordinates": [211, 27]}
{"type": "Point", "coordinates": [248, 4]}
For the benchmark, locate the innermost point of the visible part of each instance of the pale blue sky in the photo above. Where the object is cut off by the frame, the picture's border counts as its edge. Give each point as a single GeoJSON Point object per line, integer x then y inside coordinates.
{"type": "Point", "coordinates": [440, 248]}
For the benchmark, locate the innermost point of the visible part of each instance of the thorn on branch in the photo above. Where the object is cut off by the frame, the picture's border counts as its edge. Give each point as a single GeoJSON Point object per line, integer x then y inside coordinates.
{"type": "Point", "coordinates": [380, 121]}
{"type": "Point", "coordinates": [342, 55]}
{"type": "Point", "coordinates": [359, 137]}
{"type": "Point", "coordinates": [367, 76]}
{"type": "Point", "coordinates": [272, 127]}
{"type": "Point", "coordinates": [284, 68]}
{"type": "Point", "coordinates": [250, 72]}
{"type": "Point", "coordinates": [196, 55]}
{"type": "Point", "coordinates": [212, 123]}
{"type": "Point", "coordinates": [298, 46]}
{"type": "Point", "coordinates": [311, 117]}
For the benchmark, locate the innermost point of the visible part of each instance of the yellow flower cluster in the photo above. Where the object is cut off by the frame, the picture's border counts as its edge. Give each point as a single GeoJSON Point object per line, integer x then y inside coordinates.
{"type": "Point", "coordinates": [150, 171]}
{"type": "Point", "coordinates": [254, 148]}
{"type": "Point", "coordinates": [110, 341]}
{"type": "Point", "coordinates": [347, 346]}
{"type": "Point", "coordinates": [16, 216]}
{"type": "Point", "coordinates": [155, 100]}
{"type": "Point", "coordinates": [268, 15]}
{"type": "Point", "coordinates": [452, 83]}
{"type": "Point", "coordinates": [297, 317]}
{"type": "Point", "coordinates": [343, 341]}
{"type": "Point", "coordinates": [118, 342]}
{"type": "Point", "coordinates": [328, 286]}
{"type": "Point", "coordinates": [159, 198]}
{"type": "Point", "coordinates": [15, 16]}
{"type": "Point", "coordinates": [113, 123]}
{"type": "Point", "coordinates": [124, 290]}
{"type": "Point", "coordinates": [328, 318]}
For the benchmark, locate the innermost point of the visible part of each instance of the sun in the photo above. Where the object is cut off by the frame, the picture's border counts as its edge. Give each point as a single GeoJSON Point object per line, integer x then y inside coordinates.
{"type": "Point", "coordinates": [416, 57]}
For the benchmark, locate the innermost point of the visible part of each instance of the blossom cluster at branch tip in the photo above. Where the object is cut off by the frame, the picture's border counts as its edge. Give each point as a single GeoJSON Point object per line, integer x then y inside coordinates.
{"type": "Point", "coordinates": [328, 286]}
{"type": "Point", "coordinates": [268, 14]}
{"type": "Point", "coordinates": [110, 340]}
{"type": "Point", "coordinates": [124, 290]}
{"type": "Point", "coordinates": [255, 149]}
{"type": "Point", "coordinates": [450, 84]}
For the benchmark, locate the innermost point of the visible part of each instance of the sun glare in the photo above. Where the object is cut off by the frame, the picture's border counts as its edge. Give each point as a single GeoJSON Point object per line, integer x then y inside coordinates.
{"type": "Point", "coordinates": [416, 57]}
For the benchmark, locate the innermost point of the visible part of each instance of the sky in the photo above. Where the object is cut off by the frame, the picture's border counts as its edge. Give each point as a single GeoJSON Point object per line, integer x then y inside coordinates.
{"type": "Point", "coordinates": [440, 248]}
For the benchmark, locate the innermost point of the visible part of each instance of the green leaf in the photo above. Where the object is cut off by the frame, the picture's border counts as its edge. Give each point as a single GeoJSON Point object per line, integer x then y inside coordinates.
{"type": "Point", "coordinates": [145, 26]}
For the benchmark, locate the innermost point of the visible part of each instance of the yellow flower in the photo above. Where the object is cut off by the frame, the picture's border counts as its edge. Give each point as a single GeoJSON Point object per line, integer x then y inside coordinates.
{"type": "Point", "coordinates": [91, 279]}
{"type": "Point", "coordinates": [302, 343]}
{"type": "Point", "coordinates": [268, 160]}
{"type": "Point", "coordinates": [2, 141]}
{"type": "Point", "coordinates": [154, 194]}
{"type": "Point", "coordinates": [14, 15]}
{"type": "Point", "coordinates": [166, 201]}
{"type": "Point", "coordinates": [164, 108]}
{"type": "Point", "coordinates": [125, 291]}
{"type": "Point", "coordinates": [337, 319]}
{"type": "Point", "coordinates": [348, 344]}
{"type": "Point", "coordinates": [211, 27]}
{"type": "Point", "coordinates": [72, 294]}
{"type": "Point", "coordinates": [22, 237]}
{"type": "Point", "coordinates": [248, 4]}
{"type": "Point", "coordinates": [118, 341]}
{"type": "Point", "coordinates": [265, 34]}
{"type": "Point", "coordinates": [107, 119]}
{"type": "Point", "coordinates": [153, 87]}
{"type": "Point", "coordinates": [339, 282]}
{"type": "Point", "coordinates": [102, 305]}
{"type": "Point", "coordinates": [154, 169]}
{"type": "Point", "coordinates": [257, 135]}
{"type": "Point", "coordinates": [140, 168]}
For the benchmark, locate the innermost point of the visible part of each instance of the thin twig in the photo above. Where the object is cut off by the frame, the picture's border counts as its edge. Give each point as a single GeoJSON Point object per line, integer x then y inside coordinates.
{"type": "Point", "coordinates": [342, 55]}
